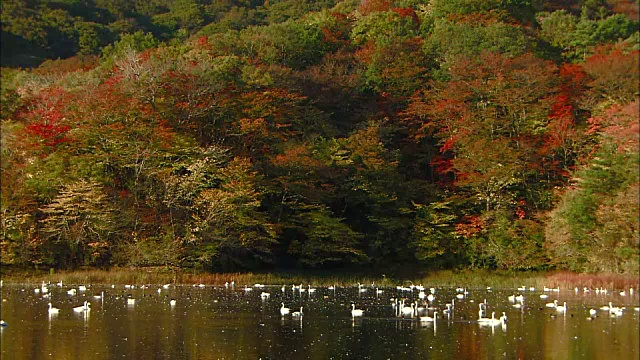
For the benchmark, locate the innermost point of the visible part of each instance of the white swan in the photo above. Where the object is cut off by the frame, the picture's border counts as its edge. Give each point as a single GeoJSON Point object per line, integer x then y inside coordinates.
{"type": "Point", "coordinates": [448, 310]}
{"type": "Point", "coordinates": [562, 308]}
{"type": "Point", "coordinates": [482, 319]}
{"type": "Point", "coordinates": [493, 321]}
{"type": "Point", "coordinates": [482, 309]}
{"type": "Point", "coordinates": [53, 310]}
{"type": "Point", "coordinates": [284, 310]}
{"type": "Point", "coordinates": [553, 304]}
{"type": "Point", "coordinates": [172, 302]}
{"type": "Point", "coordinates": [407, 310]}
{"type": "Point", "coordinates": [356, 312]}
{"type": "Point", "coordinates": [614, 310]}
{"type": "Point", "coordinates": [429, 318]}
{"type": "Point", "coordinates": [131, 301]}
{"type": "Point", "coordinates": [297, 313]}
{"type": "Point", "coordinates": [82, 308]}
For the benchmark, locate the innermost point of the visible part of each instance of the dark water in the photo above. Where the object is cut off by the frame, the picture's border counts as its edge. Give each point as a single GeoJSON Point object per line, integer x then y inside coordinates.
{"type": "Point", "coordinates": [231, 323]}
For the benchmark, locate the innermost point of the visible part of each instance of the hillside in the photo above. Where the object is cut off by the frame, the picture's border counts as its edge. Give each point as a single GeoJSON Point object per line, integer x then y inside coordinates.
{"type": "Point", "coordinates": [232, 135]}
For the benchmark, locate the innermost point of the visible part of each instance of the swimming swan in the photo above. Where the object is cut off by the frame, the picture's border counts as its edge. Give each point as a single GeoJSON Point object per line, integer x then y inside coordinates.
{"type": "Point", "coordinates": [429, 318]}
{"type": "Point", "coordinates": [297, 313]}
{"type": "Point", "coordinates": [356, 312]}
{"type": "Point", "coordinates": [83, 308]}
{"type": "Point", "coordinates": [562, 308]}
{"type": "Point", "coordinates": [53, 310]}
{"type": "Point", "coordinates": [493, 321]}
{"type": "Point", "coordinates": [284, 310]}
{"type": "Point", "coordinates": [407, 310]}
{"type": "Point", "coordinates": [553, 304]}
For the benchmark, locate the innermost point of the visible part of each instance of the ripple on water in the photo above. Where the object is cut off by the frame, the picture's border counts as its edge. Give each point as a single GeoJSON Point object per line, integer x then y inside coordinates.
{"type": "Point", "coordinates": [233, 323]}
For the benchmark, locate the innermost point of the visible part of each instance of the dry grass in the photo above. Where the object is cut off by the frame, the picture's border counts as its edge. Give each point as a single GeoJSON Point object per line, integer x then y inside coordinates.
{"type": "Point", "coordinates": [610, 281]}
{"type": "Point", "coordinates": [444, 278]}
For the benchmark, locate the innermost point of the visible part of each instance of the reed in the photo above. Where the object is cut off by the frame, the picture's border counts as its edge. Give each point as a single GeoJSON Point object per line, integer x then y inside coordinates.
{"type": "Point", "coordinates": [481, 279]}
{"type": "Point", "coordinates": [444, 278]}
{"type": "Point", "coordinates": [610, 281]}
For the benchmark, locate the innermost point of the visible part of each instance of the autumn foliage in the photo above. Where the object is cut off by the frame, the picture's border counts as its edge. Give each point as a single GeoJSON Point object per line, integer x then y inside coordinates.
{"type": "Point", "coordinates": [375, 133]}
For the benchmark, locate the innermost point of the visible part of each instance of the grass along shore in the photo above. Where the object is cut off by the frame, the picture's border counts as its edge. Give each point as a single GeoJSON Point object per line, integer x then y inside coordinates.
{"type": "Point", "coordinates": [442, 278]}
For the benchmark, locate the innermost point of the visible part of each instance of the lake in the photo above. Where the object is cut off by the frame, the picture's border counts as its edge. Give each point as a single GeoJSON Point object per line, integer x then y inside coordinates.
{"type": "Point", "coordinates": [236, 323]}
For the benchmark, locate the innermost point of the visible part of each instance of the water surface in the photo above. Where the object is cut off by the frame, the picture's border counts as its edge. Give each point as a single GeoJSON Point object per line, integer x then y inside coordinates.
{"type": "Point", "coordinates": [233, 323]}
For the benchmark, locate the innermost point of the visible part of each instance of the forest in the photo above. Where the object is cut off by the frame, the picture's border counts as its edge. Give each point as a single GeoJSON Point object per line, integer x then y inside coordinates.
{"type": "Point", "coordinates": [222, 135]}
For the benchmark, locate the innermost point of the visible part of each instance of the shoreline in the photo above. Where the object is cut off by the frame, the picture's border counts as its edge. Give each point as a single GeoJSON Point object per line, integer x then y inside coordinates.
{"type": "Point", "coordinates": [442, 278]}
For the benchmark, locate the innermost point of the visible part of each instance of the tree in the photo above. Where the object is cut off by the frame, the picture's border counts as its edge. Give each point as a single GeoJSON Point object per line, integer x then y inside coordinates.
{"type": "Point", "coordinates": [91, 37]}
{"type": "Point", "coordinates": [613, 73]}
{"type": "Point", "coordinates": [228, 229]}
{"type": "Point", "coordinates": [450, 40]}
{"type": "Point", "coordinates": [77, 225]}
{"type": "Point", "coordinates": [487, 117]}
{"type": "Point", "coordinates": [296, 44]}
{"type": "Point", "coordinates": [384, 27]}
{"type": "Point", "coordinates": [127, 43]}
{"type": "Point", "coordinates": [46, 127]}
{"type": "Point", "coordinates": [582, 232]}
{"type": "Point", "coordinates": [557, 27]}
{"type": "Point", "coordinates": [328, 240]}
{"type": "Point", "coordinates": [436, 235]}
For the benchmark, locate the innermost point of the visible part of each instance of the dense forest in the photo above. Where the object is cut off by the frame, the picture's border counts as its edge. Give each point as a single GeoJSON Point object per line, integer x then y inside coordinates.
{"type": "Point", "coordinates": [248, 134]}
